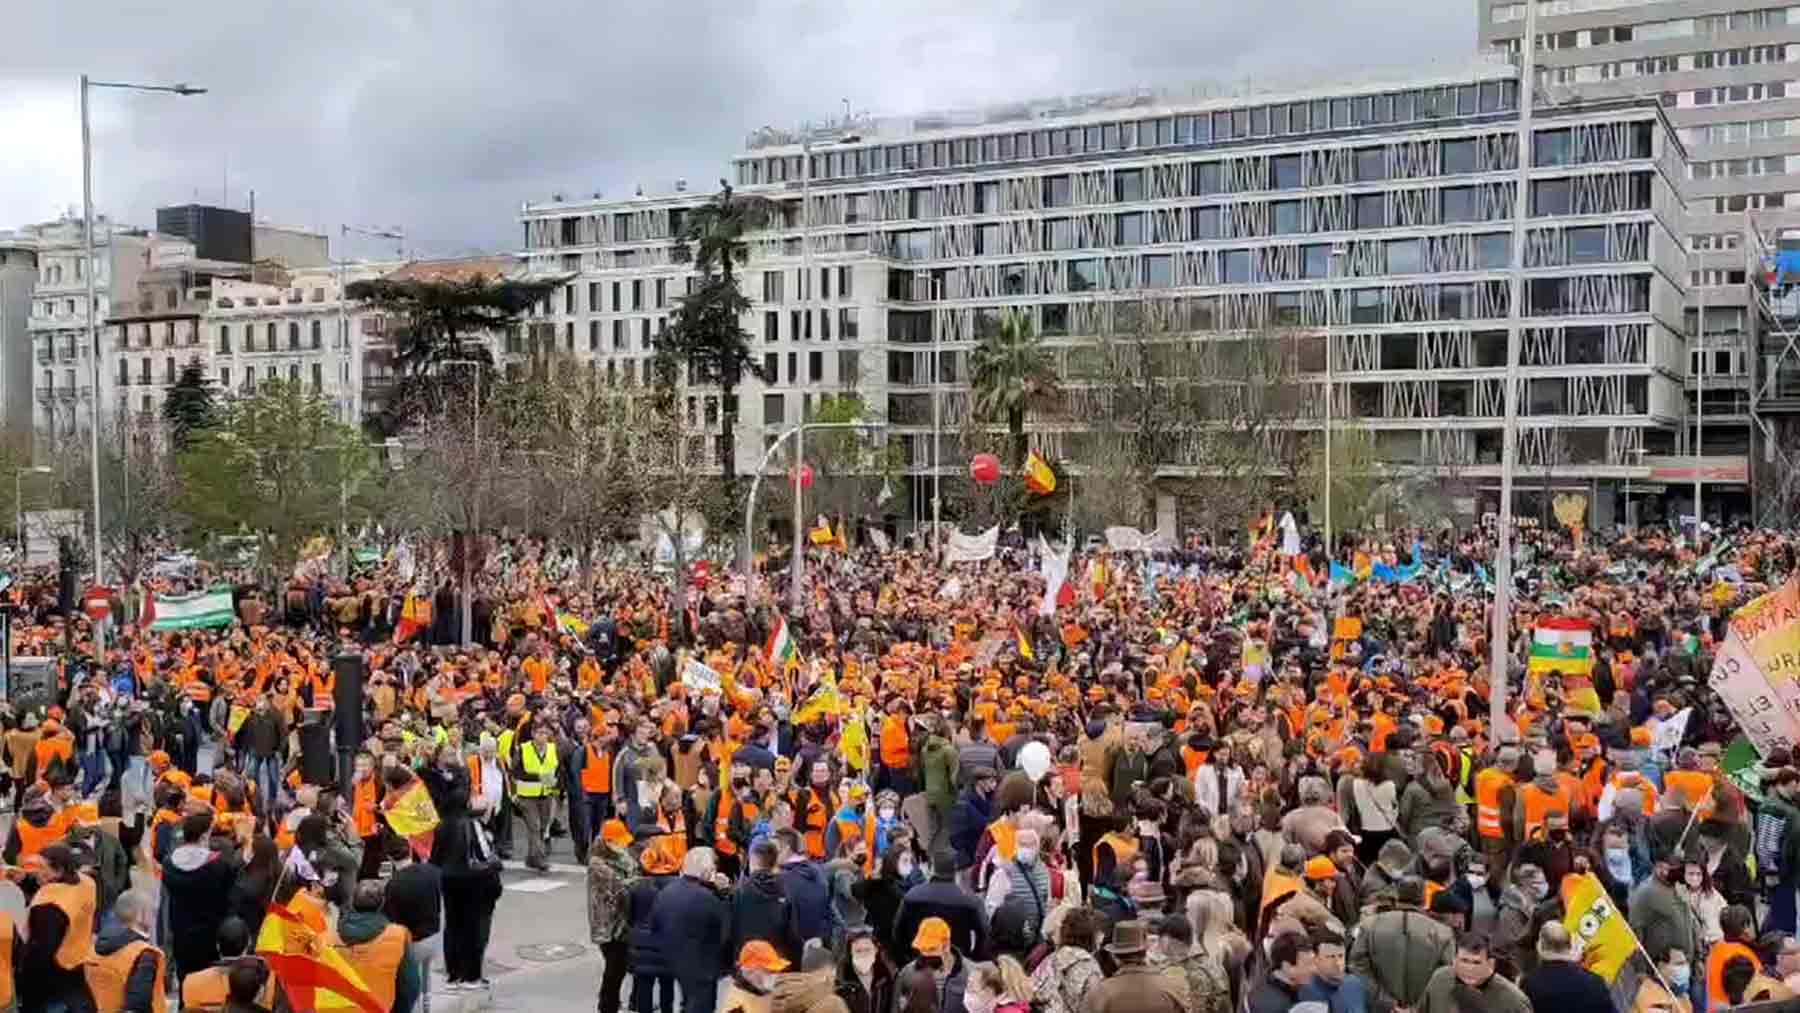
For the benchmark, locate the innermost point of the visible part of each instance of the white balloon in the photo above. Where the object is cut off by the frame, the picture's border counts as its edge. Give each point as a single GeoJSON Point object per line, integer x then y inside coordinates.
{"type": "Point", "coordinates": [1034, 760]}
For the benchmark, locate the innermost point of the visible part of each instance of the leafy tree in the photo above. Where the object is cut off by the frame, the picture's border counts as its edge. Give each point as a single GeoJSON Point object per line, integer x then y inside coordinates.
{"type": "Point", "coordinates": [706, 332]}
{"type": "Point", "coordinates": [277, 466]}
{"type": "Point", "coordinates": [1012, 374]}
{"type": "Point", "coordinates": [850, 467]}
{"type": "Point", "coordinates": [189, 406]}
{"type": "Point", "coordinates": [435, 321]}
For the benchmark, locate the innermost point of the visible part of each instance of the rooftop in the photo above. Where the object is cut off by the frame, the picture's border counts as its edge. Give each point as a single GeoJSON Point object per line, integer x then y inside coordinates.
{"type": "Point", "coordinates": [458, 269]}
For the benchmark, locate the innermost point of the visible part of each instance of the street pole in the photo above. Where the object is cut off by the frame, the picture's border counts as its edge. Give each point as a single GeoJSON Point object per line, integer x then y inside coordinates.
{"type": "Point", "coordinates": [1699, 390]}
{"type": "Point", "coordinates": [763, 466]}
{"type": "Point", "coordinates": [93, 329]}
{"type": "Point", "coordinates": [468, 605]}
{"type": "Point", "coordinates": [1500, 630]}
{"type": "Point", "coordinates": [797, 566]}
{"type": "Point", "coordinates": [1333, 316]}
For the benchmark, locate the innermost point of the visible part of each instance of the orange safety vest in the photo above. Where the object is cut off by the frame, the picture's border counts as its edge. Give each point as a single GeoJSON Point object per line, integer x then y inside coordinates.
{"type": "Point", "coordinates": [77, 901]}
{"type": "Point", "coordinates": [474, 776]}
{"type": "Point", "coordinates": [34, 839]}
{"type": "Point", "coordinates": [1694, 787]}
{"type": "Point", "coordinates": [1539, 804]}
{"type": "Point", "coordinates": [896, 749]}
{"type": "Point", "coordinates": [1278, 886]}
{"type": "Point", "coordinates": [362, 807]}
{"type": "Point", "coordinates": [1124, 849]}
{"type": "Point", "coordinates": [596, 773]}
{"type": "Point", "coordinates": [207, 990]}
{"type": "Point", "coordinates": [108, 975]}
{"type": "Point", "coordinates": [722, 841]}
{"type": "Point", "coordinates": [1632, 779]}
{"type": "Point", "coordinates": [1715, 970]}
{"type": "Point", "coordinates": [818, 815]}
{"type": "Point", "coordinates": [7, 993]}
{"type": "Point", "coordinates": [56, 747]}
{"type": "Point", "coordinates": [1488, 786]}
{"type": "Point", "coordinates": [1432, 889]}
{"type": "Point", "coordinates": [379, 960]}
{"type": "Point", "coordinates": [199, 692]}
{"type": "Point", "coordinates": [1593, 782]}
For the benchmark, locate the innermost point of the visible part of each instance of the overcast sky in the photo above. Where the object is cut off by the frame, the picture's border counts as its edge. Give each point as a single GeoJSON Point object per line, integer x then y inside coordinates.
{"type": "Point", "coordinates": [442, 116]}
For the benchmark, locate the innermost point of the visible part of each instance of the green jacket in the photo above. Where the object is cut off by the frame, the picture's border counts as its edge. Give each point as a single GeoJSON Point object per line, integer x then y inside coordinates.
{"type": "Point", "coordinates": [937, 771]}
{"type": "Point", "coordinates": [1445, 994]}
{"type": "Point", "coordinates": [1397, 952]}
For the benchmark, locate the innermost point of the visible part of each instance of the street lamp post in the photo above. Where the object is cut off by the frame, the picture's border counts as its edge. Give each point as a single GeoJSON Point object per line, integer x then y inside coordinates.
{"type": "Point", "coordinates": [797, 431]}
{"type": "Point", "coordinates": [468, 606]}
{"type": "Point", "coordinates": [87, 233]}
{"type": "Point", "coordinates": [19, 502]}
{"type": "Point", "coordinates": [1332, 315]}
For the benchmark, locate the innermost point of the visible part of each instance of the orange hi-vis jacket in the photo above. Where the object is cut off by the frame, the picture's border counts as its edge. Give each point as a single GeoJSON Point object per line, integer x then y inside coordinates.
{"type": "Point", "coordinates": [107, 977]}
{"type": "Point", "coordinates": [7, 990]}
{"type": "Point", "coordinates": [378, 959]}
{"type": "Point", "coordinates": [1539, 804]}
{"type": "Point", "coordinates": [596, 773]}
{"type": "Point", "coordinates": [78, 902]}
{"type": "Point", "coordinates": [1488, 786]}
{"type": "Point", "coordinates": [206, 990]}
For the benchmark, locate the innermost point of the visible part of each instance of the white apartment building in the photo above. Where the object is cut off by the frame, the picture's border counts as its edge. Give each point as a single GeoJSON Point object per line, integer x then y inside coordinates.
{"type": "Point", "coordinates": [1372, 220]}
{"type": "Point", "coordinates": [64, 386]}
{"type": "Point", "coordinates": [301, 330]}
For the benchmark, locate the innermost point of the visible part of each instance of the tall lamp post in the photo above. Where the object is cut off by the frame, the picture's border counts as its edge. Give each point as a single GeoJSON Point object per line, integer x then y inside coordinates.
{"type": "Point", "coordinates": [19, 502]}
{"type": "Point", "coordinates": [1332, 315]}
{"type": "Point", "coordinates": [468, 604]}
{"type": "Point", "coordinates": [87, 233]}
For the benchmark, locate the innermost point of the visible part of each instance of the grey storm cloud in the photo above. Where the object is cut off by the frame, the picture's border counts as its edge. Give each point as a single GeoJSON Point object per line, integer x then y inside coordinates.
{"type": "Point", "coordinates": [442, 117]}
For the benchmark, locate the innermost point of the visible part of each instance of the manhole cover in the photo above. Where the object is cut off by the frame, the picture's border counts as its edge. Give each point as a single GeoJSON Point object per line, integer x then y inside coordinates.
{"type": "Point", "coordinates": [549, 953]}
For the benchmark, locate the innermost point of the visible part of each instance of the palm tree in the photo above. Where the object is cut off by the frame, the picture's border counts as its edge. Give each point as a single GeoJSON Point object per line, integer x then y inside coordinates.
{"type": "Point", "coordinates": [1012, 374]}
{"type": "Point", "coordinates": [707, 331]}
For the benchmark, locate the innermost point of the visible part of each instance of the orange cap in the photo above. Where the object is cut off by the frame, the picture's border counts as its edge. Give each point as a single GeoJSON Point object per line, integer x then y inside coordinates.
{"type": "Point", "coordinates": [615, 834]}
{"type": "Point", "coordinates": [1640, 736]}
{"type": "Point", "coordinates": [1317, 867]}
{"type": "Point", "coordinates": [758, 955]}
{"type": "Point", "coordinates": [933, 936]}
{"type": "Point", "coordinates": [159, 761]}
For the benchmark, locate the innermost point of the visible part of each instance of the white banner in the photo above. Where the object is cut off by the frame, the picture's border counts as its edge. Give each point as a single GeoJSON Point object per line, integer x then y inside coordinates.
{"type": "Point", "coordinates": [879, 539]}
{"type": "Point", "coordinates": [1290, 536]}
{"type": "Point", "coordinates": [971, 548]}
{"type": "Point", "coordinates": [1055, 568]}
{"type": "Point", "coordinates": [1125, 539]}
{"type": "Point", "coordinates": [699, 676]}
{"type": "Point", "coordinates": [1747, 694]}
{"type": "Point", "coordinates": [1666, 738]}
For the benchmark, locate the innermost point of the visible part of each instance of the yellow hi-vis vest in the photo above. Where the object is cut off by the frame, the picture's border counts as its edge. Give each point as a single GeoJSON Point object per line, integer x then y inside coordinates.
{"type": "Point", "coordinates": [537, 775]}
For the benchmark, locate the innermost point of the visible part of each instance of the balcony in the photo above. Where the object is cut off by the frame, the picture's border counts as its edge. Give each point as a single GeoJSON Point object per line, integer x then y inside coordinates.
{"type": "Point", "coordinates": [65, 393]}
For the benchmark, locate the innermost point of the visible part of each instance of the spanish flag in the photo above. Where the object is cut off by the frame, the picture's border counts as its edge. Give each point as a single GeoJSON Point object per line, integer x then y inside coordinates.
{"type": "Point", "coordinates": [314, 975]}
{"type": "Point", "coordinates": [1361, 565]}
{"type": "Point", "coordinates": [825, 701]}
{"type": "Point", "coordinates": [854, 743]}
{"type": "Point", "coordinates": [1039, 478]}
{"type": "Point", "coordinates": [413, 816]}
{"type": "Point", "coordinates": [1024, 642]}
{"type": "Point", "coordinates": [821, 535]}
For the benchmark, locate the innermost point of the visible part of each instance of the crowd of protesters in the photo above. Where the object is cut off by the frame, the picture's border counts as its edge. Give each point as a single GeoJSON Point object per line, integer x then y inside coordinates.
{"type": "Point", "coordinates": [1212, 778]}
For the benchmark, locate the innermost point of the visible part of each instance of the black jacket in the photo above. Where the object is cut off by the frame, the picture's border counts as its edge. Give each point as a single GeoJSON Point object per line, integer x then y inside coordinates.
{"type": "Point", "coordinates": [415, 898]}
{"type": "Point", "coordinates": [941, 898]}
{"type": "Point", "coordinates": [198, 897]}
{"type": "Point", "coordinates": [806, 888]}
{"type": "Point", "coordinates": [1566, 987]}
{"type": "Point", "coordinates": [640, 900]}
{"type": "Point", "coordinates": [881, 898]}
{"type": "Point", "coordinates": [877, 998]}
{"type": "Point", "coordinates": [760, 909]}
{"type": "Point", "coordinates": [689, 928]}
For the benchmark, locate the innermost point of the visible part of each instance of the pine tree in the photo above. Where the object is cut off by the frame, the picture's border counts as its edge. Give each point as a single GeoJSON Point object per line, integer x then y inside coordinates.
{"type": "Point", "coordinates": [190, 407]}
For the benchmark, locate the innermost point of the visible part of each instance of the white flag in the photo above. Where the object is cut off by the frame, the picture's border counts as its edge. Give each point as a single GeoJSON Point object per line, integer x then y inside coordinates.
{"type": "Point", "coordinates": [1290, 536]}
{"type": "Point", "coordinates": [1055, 569]}
{"type": "Point", "coordinates": [887, 493]}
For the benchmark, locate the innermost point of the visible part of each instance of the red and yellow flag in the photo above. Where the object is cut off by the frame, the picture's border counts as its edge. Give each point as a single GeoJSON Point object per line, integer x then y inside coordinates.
{"type": "Point", "coordinates": [1024, 642]}
{"type": "Point", "coordinates": [1039, 477]}
{"type": "Point", "coordinates": [413, 816]}
{"type": "Point", "coordinates": [315, 976]}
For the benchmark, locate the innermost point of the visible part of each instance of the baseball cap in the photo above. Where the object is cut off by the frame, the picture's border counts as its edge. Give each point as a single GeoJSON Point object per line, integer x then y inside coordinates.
{"type": "Point", "coordinates": [758, 955]}
{"type": "Point", "coordinates": [1320, 867]}
{"type": "Point", "coordinates": [615, 833]}
{"type": "Point", "coordinates": [933, 936]}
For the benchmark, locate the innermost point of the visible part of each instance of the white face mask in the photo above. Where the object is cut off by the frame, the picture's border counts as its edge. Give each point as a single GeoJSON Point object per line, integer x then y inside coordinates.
{"type": "Point", "coordinates": [863, 965]}
{"type": "Point", "coordinates": [904, 867]}
{"type": "Point", "coordinates": [1028, 855]}
{"type": "Point", "coordinates": [1476, 882]}
{"type": "Point", "coordinates": [886, 812]}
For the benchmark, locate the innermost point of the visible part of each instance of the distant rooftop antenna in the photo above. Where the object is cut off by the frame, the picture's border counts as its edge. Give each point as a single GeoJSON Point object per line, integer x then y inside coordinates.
{"type": "Point", "coordinates": [681, 185]}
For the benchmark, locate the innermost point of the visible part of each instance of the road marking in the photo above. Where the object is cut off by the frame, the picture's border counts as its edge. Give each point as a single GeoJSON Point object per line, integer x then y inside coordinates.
{"type": "Point", "coordinates": [537, 884]}
{"type": "Point", "coordinates": [562, 868]}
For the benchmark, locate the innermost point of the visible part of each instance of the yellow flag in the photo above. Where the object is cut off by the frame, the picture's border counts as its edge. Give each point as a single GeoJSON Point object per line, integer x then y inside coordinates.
{"type": "Point", "coordinates": [239, 714]}
{"type": "Point", "coordinates": [1605, 937]}
{"type": "Point", "coordinates": [854, 743]}
{"type": "Point", "coordinates": [821, 535]}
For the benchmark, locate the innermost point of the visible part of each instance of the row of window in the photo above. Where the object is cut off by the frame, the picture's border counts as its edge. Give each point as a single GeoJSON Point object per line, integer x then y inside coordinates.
{"type": "Point", "coordinates": [1729, 94]}
{"type": "Point", "coordinates": [1739, 131]}
{"type": "Point", "coordinates": [1278, 120]}
{"type": "Point", "coordinates": [1503, 13]}
{"type": "Point", "coordinates": [1650, 66]}
{"type": "Point", "coordinates": [315, 337]}
{"type": "Point", "coordinates": [800, 325]}
{"type": "Point", "coordinates": [1732, 168]}
{"type": "Point", "coordinates": [775, 286]}
{"type": "Point", "coordinates": [849, 369]}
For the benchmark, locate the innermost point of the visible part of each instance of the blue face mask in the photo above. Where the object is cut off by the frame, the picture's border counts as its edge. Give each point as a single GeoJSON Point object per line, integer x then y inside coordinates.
{"type": "Point", "coordinates": [1680, 975]}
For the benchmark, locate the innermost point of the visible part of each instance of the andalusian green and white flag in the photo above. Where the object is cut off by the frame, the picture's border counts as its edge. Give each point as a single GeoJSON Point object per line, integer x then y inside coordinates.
{"type": "Point", "coordinates": [202, 610]}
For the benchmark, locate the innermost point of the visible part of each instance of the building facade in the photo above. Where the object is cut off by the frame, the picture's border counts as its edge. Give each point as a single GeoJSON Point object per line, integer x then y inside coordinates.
{"type": "Point", "coordinates": [1727, 73]}
{"type": "Point", "coordinates": [18, 279]}
{"type": "Point", "coordinates": [1371, 222]}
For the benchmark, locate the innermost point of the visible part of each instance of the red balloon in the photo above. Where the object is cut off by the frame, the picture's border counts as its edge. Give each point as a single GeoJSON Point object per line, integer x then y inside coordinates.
{"type": "Point", "coordinates": [806, 476]}
{"type": "Point", "coordinates": [984, 468]}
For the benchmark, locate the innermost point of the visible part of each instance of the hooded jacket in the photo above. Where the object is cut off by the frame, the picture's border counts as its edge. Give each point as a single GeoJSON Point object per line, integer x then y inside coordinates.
{"type": "Point", "coordinates": [197, 884]}
{"type": "Point", "coordinates": [807, 890]}
{"type": "Point", "coordinates": [358, 927]}
{"type": "Point", "coordinates": [760, 909]}
{"type": "Point", "coordinates": [140, 984]}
